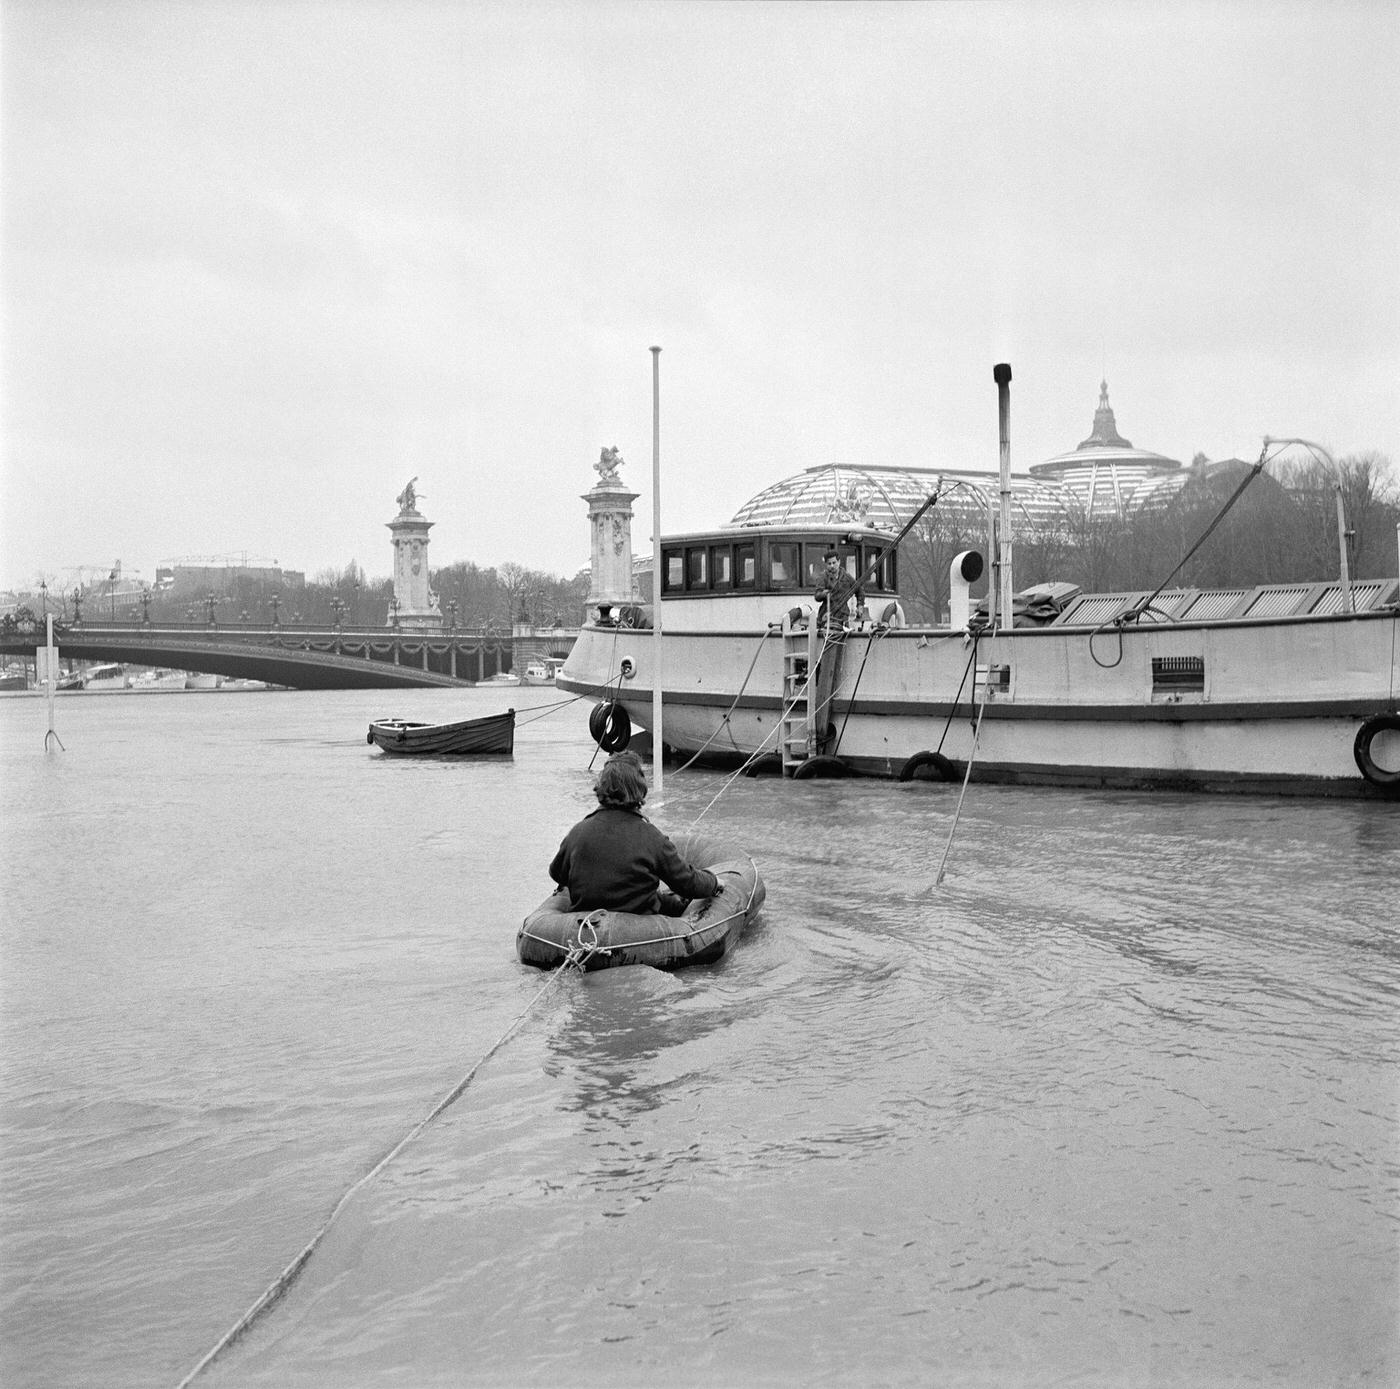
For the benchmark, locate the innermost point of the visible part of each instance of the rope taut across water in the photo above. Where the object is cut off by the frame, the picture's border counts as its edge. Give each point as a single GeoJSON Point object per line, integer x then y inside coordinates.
{"type": "Point", "coordinates": [284, 1280]}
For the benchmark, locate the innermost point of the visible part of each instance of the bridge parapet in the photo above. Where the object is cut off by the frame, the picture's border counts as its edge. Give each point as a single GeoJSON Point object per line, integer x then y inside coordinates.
{"type": "Point", "coordinates": [299, 655]}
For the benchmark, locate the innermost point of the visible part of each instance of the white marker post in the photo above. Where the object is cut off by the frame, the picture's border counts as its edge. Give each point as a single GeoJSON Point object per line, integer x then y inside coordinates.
{"type": "Point", "coordinates": [657, 743]}
{"type": "Point", "coordinates": [51, 678]}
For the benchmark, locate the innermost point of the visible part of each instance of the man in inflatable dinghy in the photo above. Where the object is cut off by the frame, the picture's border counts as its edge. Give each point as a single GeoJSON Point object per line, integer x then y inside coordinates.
{"type": "Point", "coordinates": [615, 858]}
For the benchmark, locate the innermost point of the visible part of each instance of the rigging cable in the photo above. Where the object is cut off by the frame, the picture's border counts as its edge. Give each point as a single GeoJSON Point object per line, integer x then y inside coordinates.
{"type": "Point", "coordinates": [967, 773]}
{"type": "Point", "coordinates": [1139, 609]}
{"type": "Point", "coordinates": [875, 636]}
{"type": "Point", "coordinates": [724, 718]}
{"type": "Point", "coordinates": [758, 752]}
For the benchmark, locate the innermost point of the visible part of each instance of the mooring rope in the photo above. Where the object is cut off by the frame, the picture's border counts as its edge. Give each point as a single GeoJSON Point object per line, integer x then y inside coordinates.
{"type": "Point", "coordinates": [284, 1280]}
{"type": "Point", "coordinates": [758, 752]}
{"type": "Point", "coordinates": [724, 718]}
{"type": "Point", "coordinates": [967, 772]}
{"type": "Point", "coordinates": [948, 722]}
{"type": "Point", "coordinates": [541, 711]}
{"type": "Point", "coordinates": [876, 635]}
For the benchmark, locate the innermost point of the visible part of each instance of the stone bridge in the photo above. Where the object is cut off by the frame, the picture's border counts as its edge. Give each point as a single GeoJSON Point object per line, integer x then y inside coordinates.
{"type": "Point", "coordinates": [301, 656]}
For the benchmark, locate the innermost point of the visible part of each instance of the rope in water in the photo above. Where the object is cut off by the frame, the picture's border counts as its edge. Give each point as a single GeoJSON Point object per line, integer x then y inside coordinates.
{"type": "Point", "coordinates": [284, 1280]}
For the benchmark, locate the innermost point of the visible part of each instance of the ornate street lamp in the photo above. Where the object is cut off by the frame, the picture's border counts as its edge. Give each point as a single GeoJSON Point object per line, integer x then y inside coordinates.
{"type": "Point", "coordinates": [451, 614]}
{"type": "Point", "coordinates": [394, 610]}
{"type": "Point", "coordinates": [276, 601]}
{"type": "Point", "coordinates": [337, 607]}
{"type": "Point", "coordinates": [77, 607]}
{"type": "Point", "coordinates": [145, 607]}
{"type": "Point", "coordinates": [211, 602]}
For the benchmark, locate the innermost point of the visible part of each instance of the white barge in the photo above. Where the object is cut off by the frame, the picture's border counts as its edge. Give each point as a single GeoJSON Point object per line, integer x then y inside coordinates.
{"type": "Point", "coordinates": [1285, 688]}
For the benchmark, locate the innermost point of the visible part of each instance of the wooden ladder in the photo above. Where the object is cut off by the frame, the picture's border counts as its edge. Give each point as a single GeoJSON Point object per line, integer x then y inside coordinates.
{"type": "Point", "coordinates": [801, 648]}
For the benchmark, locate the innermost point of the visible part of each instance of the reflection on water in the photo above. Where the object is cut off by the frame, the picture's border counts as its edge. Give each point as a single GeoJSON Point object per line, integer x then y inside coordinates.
{"type": "Point", "coordinates": [1113, 1104]}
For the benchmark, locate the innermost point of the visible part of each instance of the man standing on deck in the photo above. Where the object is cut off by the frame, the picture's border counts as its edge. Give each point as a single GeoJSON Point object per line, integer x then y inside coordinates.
{"type": "Point", "coordinates": [837, 594]}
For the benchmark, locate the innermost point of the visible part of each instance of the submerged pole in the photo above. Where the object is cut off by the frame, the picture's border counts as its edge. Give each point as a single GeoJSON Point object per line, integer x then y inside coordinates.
{"type": "Point", "coordinates": [1001, 374]}
{"type": "Point", "coordinates": [657, 743]}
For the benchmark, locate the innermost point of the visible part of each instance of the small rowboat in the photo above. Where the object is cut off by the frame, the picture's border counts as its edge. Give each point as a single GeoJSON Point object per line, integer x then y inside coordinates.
{"type": "Point", "coordinates": [469, 738]}
{"type": "Point", "coordinates": [706, 930]}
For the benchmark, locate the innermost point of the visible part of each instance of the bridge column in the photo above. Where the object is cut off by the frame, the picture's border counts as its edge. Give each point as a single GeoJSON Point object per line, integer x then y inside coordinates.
{"type": "Point", "coordinates": [417, 604]}
{"type": "Point", "coordinates": [610, 518]}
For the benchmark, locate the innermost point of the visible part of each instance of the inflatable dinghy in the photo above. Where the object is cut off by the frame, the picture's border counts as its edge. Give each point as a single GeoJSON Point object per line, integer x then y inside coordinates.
{"type": "Point", "coordinates": [602, 939]}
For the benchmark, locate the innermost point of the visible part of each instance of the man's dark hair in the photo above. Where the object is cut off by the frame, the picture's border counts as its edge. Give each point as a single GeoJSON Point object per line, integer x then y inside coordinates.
{"type": "Point", "coordinates": [621, 782]}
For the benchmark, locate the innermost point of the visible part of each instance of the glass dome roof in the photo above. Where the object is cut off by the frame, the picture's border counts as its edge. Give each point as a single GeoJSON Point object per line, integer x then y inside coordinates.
{"type": "Point", "coordinates": [839, 493]}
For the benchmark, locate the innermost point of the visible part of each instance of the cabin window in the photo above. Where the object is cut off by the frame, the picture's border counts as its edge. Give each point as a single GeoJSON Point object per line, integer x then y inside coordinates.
{"type": "Point", "coordinates": [697, 568]}
{"type": "Point", "coordinates": [879, 564]}
{"type": "Point", "coordinates": [782, 564]}
{"type": "Point", "coordinates": [674, 573]}
{"type": "Point", "coordinates": [745, 565]}
{"type": "Point", "coordinates": [722, 567]}
{"type": "Point", "coordinates": [1178, 674]}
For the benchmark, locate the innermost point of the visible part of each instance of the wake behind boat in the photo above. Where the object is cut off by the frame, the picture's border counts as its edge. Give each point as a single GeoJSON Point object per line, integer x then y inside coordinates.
{"type": "Point", "coordinates": [493, 734]}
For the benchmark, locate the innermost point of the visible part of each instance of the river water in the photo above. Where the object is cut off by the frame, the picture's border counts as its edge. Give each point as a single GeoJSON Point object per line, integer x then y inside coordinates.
{"type": "Point", "coordinates": [1116, 1103]}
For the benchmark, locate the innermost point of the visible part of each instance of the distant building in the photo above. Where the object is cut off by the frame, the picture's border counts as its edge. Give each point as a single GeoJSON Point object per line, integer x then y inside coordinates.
{"type": "Point", "coordinates": [1105, 472]}
{"type": "Point", "coordinates": [186, 580]}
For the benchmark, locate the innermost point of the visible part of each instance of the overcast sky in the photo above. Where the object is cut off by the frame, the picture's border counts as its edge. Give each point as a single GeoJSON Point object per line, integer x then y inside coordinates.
{"type": "Point", "coordinates": [264, 262]}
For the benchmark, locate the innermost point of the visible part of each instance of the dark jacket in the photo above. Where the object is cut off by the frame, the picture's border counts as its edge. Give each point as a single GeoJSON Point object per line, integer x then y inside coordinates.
{"type": "Point", "coordinates": [833, 597]}
{"type": "Point", "coordinates": [614, 857]}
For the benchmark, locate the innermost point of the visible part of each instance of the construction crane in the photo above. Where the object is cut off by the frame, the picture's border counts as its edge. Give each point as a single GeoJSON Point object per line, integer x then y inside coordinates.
{"type": "Point", "coordinates": [88, 575]}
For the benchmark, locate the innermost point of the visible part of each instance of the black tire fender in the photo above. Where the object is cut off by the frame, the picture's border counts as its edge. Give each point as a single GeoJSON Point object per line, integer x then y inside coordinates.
{"type": "Point", "coordinates": [1361, 749]}
{"type": "Point", "coordinates": [820, 767]}
{"type": "Point", "coordinates": [945, 769]}
{"type": "Point", "coordinates": [609, 726]}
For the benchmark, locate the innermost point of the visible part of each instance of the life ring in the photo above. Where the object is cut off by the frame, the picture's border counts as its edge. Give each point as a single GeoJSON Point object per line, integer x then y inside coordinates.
{"type": "Point", "coordinates": [936, 760]}
{"type": "Point", "coordinates": [609, 726]}
{"type": "Point", "coordinates": [1377, 775]}
{"type": "Point", "coordinates": [820, 767]}
{"type": "Point", "coordinates": [893, 615]}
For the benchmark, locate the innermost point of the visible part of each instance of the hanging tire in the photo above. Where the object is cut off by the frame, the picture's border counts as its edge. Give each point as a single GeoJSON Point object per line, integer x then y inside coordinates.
{"type": "Point", "coordinates": [609, 726]}
{"type": "Point", "coordinates": [770, 764]}
{"type": "Point", "coordinates": [1384, 777]}
{"type": "Point", "coordinates": [820, 767]}
{"type": "Point", "coordinates": [920, 760]}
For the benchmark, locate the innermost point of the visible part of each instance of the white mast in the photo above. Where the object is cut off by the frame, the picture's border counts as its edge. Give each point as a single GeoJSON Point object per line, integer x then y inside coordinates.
{"type": "Point", "coordinates": [657, 744]}
{"type": "Point", "coordinates": [1001, 374]}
